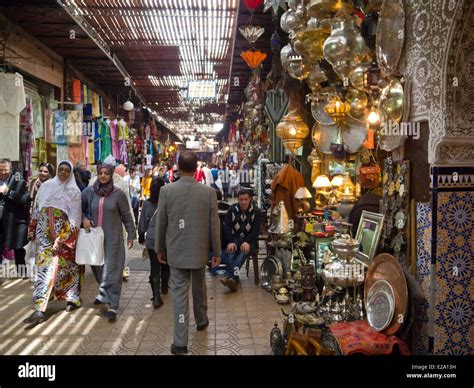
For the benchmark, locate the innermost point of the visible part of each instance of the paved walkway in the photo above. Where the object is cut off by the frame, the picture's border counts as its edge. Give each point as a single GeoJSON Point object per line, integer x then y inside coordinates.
{"type": "Point", "coordinates": [240, 323]}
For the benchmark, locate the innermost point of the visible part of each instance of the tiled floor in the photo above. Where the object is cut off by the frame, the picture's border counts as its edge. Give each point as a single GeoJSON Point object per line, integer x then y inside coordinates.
{"type": "Point", "coordinates": [240, 323]}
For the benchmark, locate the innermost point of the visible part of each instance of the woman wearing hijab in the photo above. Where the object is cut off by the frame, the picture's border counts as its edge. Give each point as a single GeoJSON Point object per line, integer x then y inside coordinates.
{"type": "Point", "coordinates": [105, 198]}
{"type": "Point", "coordinates": [54, 224]}
{"type": "Point", "coordinates": [45, 172]}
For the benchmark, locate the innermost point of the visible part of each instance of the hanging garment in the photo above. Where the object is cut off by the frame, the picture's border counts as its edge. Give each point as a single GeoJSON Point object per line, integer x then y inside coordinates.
{"type": "Point", "coordinates": [75, 153]}
{"type": "Point", "coordinates": [76, 91]}
{"type": "Point", "coordinates": [49, 126]}
{"type": "Point", "coordinates": [87, 112]}
{"type": "Point", "coordinates": [26, 137]}
{"type": "Point", "coordinates": [123, 156]}
{"type": "Point", "coordinates": [62, 152]}
{"type": "Point", "coordinates": [74, 127]}
{"type": "Point", "coordinates": [38, 120]}
{"type": "Point", "coordinates": [114, 135]}
{"type": "Point", "coordinates": [60, 127]}
{"type": "Point", "coordinates": [106, 139]}
{"type": "Point", "coordinates": [95, 105]}
{"type": "Point", "coordinates": [12, 102]}
{"type": "Point", "coordinates": [97, 141]}
{"type": "Point", "coordinates": [123, 130]}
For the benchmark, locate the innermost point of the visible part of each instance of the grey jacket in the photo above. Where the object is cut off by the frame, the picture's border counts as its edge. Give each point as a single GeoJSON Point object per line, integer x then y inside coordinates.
{"type": "Point", "coordinates": [146, 224]}
{"type": "Point", "coordinates": [187, 223]}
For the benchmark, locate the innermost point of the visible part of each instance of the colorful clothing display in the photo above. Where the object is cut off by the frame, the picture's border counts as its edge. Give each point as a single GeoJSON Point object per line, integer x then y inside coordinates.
{"type": "Point", "coordinates": [74, 127]}
{"type": "Point", "coordinates": [114, 135]}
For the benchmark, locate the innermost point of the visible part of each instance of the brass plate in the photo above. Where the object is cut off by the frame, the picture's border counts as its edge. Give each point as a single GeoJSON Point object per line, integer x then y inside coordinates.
{"type": "Point", "coordinates": [386, 267]}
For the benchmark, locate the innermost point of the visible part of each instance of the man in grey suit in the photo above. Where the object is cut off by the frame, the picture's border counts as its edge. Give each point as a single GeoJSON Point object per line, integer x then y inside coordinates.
{"type": "Point", "coordinates": [187, 228]}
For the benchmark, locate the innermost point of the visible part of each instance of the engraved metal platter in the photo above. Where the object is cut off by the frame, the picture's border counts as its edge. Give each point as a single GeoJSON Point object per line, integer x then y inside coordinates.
{"type": "Point", "coordinates": [386, 267]}
{"type": "Point", "coordinates": [380, 309]}
{"type": "Point", "coordinates": [380, 285]}
{"type": "Point", "coordinates": [323, 136]}
{"type": "Point", "coordinates": [354, 135]}
{"type": "Point", "coordinates": [390, 35]}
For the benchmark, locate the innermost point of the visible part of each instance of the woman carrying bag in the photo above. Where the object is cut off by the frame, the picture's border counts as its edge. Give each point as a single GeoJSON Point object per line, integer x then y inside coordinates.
{"type": "Point", "coordinates": [159, 273]}
{"type": "Point", "coordinates": [54, 224]}
{"type": "Point", "coordinates": [107, 203]}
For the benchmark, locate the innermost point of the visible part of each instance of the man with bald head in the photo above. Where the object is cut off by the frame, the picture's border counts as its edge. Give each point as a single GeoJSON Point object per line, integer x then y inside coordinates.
{"type": "Point", "coordinates": [187, 229]}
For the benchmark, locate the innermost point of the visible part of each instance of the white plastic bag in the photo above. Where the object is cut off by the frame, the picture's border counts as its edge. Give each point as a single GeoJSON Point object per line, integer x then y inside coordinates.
{"type": "Point", "coordinates": [90, 247]}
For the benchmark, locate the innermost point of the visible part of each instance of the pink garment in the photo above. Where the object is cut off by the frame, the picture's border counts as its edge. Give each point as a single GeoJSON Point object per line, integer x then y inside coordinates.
{"type": "Point", "coordinates": [114, 136]}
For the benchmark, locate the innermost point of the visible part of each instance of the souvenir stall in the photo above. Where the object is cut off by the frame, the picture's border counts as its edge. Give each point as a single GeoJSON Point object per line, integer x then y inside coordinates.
{"type": "Point", "coordinates": [343, 295]}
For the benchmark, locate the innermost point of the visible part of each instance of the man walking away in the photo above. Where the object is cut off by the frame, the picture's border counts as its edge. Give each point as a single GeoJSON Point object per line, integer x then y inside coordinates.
{"type": "Point", "coordinates": [187, 228]}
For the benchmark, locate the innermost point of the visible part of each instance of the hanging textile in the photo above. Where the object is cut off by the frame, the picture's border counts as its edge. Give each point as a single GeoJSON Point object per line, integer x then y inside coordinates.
{"type": "Point", "coordinates": [12, 102]}
{"type": "Point", "coordinates": [38, 120]}
{"type": "Point", "coordinates": [75, 153]}
{"type": "Point", "coordinates": [60, 121]}
{"type": "Point", "coordinates": [97, 141]}
{"type": "Point", "coordinates": [114, 137]}
{"type": "Point", "coordinates": [95, 105]}
{"type": "Point", "coordinates": [106, 140]}
{"type": "Point", "coordinates": [62, 152]}
{"type": "Point", "coordinates": [86, 94]}
{"type": "Point", "coordinates": [49, 126]}
{"type": "Point", "coordinates": [76, 91]}
{"type": "Point", "coordinates": [74, 127]}
{"type": "Point", "coordinates": [26, 137]}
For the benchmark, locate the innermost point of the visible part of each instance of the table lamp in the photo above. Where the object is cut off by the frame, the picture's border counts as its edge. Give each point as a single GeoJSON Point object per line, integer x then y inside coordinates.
{"type": "Point", "coordinates": [302, 194]}
{"type": "Point", "coordinates": [322, 184]}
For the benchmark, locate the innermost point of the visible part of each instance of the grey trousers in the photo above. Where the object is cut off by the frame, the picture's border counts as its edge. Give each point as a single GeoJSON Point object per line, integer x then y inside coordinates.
{"type": "Point", "coordinates": [109, 277]}
{"type": "Point", "coordinates": [181, 279]}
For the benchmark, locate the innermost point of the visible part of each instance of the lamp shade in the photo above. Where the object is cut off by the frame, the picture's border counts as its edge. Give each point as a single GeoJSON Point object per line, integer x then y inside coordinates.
{"type": "Point", "coordinates": [128, 105]}
{"type": "Point", "coordinates": [337, 181]}
{"type": "Point", "coordinates": [322, 181]}
{"type": "Point", "coordinates": [302, 193]}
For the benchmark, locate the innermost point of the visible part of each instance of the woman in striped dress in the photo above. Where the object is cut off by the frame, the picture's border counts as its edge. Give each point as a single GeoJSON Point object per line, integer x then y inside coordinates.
{"type": "Point", "coordinates": [54, 225]}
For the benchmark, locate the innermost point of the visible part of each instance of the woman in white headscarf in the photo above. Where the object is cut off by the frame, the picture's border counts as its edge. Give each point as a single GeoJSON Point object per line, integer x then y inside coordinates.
{"type": "Point", "coordinates": [55, 224]}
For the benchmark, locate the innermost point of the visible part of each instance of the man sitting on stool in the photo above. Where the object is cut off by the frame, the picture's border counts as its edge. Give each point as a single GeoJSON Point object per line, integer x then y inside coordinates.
{"type": "Point", "coordinates": [241, 228]}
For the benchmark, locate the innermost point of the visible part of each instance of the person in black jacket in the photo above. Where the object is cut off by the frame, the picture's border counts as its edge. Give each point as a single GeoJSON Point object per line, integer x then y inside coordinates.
{"type": "Point", "coordinates": [159, 273]}
{"type": "Point", "coordinates": [241, 228]}
{"type": "Point", "coordinates": [14, 201]}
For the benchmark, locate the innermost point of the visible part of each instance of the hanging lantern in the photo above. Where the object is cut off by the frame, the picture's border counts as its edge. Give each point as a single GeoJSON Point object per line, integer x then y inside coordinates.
{"type": "Point", "coordinates": [253, 58]}
{"type": "Point", "coordinates": [292, 131]}
{"type": "Point", "coordinates": [252, 5]}
{"type": "Point", "coordinates": [128, 106]}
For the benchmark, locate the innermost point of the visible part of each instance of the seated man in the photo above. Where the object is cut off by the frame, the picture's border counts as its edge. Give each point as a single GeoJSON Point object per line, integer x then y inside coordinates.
{"type": "Point", "coordinates": [241, 229]}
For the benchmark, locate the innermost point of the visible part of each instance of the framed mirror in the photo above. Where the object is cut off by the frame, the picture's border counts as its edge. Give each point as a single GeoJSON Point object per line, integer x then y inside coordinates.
{"type": "Point", "coordinates": [368, 236]}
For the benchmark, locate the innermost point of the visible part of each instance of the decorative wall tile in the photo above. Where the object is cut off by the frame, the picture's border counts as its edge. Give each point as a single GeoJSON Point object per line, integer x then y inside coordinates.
{"type": "Point", "coordinates": [423, 271]}
{"type": "Point", "coordinates": [454, 273]}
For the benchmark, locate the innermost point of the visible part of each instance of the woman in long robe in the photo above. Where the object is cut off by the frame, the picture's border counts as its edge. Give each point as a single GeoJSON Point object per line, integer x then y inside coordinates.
{"type": "Point", "coordinates": [55, 225]}
{"type": "Point", "coordinates": [115, 213]}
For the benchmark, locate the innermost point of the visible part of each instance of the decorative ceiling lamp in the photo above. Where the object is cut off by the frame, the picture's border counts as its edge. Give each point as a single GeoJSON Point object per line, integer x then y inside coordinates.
{"type": "Point", "coordinates": [337, 109]}
{"type": "Point", "coordinates": [275, 5]}
{"type": "Point", "coordinates": [252, 5]}
{"type": "Point", "coordinates": [309, 42]}
{"type": "Point", "coordinates": [253, 58]}
{"type": "Point", "coordinates": [251, 33]}
{"type": "Point", "coordinates": [292, 131]}
{"type": "Point", "coordinates": [128, 106]}
{"type": "Point", "coordinates": [298, 68]}
{"type": "Point", "coordinates": [345, 47]}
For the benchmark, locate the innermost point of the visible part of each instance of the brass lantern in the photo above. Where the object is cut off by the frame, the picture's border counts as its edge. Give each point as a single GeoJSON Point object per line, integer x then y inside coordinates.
{"type": "Point", "coordinates": [292, 131]}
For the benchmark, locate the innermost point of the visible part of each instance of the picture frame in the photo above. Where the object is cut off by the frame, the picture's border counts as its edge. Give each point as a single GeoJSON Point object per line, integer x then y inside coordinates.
{"type": "Point", "coordinates": [368, 235]}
